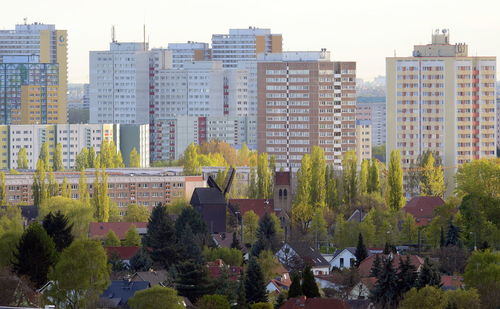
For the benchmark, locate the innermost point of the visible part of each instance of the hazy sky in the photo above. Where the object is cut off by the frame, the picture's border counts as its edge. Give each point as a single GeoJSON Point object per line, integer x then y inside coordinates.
{"type": "Point", "coordinates": [365, 31]}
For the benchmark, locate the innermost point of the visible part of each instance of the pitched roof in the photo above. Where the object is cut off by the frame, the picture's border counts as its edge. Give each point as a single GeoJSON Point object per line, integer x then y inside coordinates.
{"type": "Point", "coordinates": [282, 178]}
{"type": "Point", "coordinates": [124, 253]}
{"type": "Point", "coordinates": [422, 208]}
{"type": "Point", "coordinates": [352, 250]}
{"type": "Point", "coordinates": [451, 282]}
{"type": "Point", "coordinates": [365, 266]}
{"type": "Point", "coordinates": [357, 216]}
{"type": "Point", "coordinates": [314, 303]}
{"type": "Point", "coordinates": [215, 269]}
{"type": "Point", "coordinates": [309, 254]}
{"type": "Point", "coordinates": [258, 205]}
{"type": "Point", "coordinates": [207, 196]}
{"type": "Point", "coordinates": [100, 229]}
{"type": "Point", "coordinates": [154, 277]}
{"type": "Point", "coordinates": [119, 292]}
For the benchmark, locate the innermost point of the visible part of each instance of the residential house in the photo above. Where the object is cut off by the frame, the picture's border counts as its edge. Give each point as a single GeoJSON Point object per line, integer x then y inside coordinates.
{"type": "Point", "coordinates": [216, 268]}
{"type": "Point", "coordinates": [122, 253]}
{"type": "Point", "coordinates": [315, 303]}
{"type": "Point", "coordinates": [365, 266]}
{"type": "Point", "coordinates": [99, 230]}
{"type": "Point", "coordinates": [452, 282]}
{"type": "Point", "coordinates": [422, 208]}
{"type": "Point", "coordinates": [343, 258]}
{"type": "Point", "coordinates": [296, 255]}
{"type": "Point", "coordinates": [119, 292]}
{"type": "Point", "coordinates": [154, 277]}
{"type": "Point", "coordinates": [362, 289]}
{"type": "Point", "coordinates": [281, 282]}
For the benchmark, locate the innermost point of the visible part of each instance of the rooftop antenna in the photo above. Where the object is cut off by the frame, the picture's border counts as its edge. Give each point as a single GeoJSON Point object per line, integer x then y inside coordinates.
{"type": "Point", "coordinates": [113, 34]}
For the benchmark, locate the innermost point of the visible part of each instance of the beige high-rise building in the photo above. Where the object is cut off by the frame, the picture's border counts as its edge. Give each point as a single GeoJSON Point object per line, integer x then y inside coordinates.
{"type": "Point", "coordinates": [442, 100]}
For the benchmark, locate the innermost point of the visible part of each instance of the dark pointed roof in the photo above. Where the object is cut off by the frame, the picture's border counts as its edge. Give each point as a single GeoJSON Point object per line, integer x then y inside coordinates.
{"type": "Point", "coordinates": [207, 196]}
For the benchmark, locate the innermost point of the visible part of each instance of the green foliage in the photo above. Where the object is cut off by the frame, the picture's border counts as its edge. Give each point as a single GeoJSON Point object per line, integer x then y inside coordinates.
{"type": "Point", "coordinates": [280, 233]}
{"type": "Point", "coordinates": [45, 155]}
{"type": "Point", "coordinates": [100, 198]}
{"type": "Point", "coordinates": [428, 297]}
{"type": "Point", "coordinates": [349, 172]}
{"type": "Point", "coordinates": [395, 195]}
{"type": "Point", "coordinates": [157, 297]}
{"type": "Point", "coordinates": [463, 299]}
{"type": "Point", "coordinates": [361, 252]}
{"type": "Point", "coordinates": [3, 191]}
{"type": "Point", "coordinates": [262, 305]}
{"type": "Point", "coordinates": [225, 285]}
{"type": "Point", "coordinates": [479, 178]}
{"type": "Point", "coordinates": [137, 213]}
{"type": "Point", "coordinates": [252, 183]}
{"type": "Point", "coordinates": [39, 186]}
{"type": "Point", "coordinates": [83, 193]}
{"type": "Point", "coordinates": [192, 165]}
{"type": "Point", "coordinates": [52, 186]}
{"type": "Point", "coordinates": [266, 236]}
{"type": "Point", "coordinates": [230, 256]}
{"type": "Point", "coordinates": [376, 269]}
{"type": "Point", "coordinates": [135, 158]}
{"type": "Point", "coordinates": [250, 227]}
{"type": "Point", "coordinates": [132, 238]}
{"type": "Point", "coordinates": [255, 288]}
{"type": "Point", "coordinates": [79, 216]}
{"type": "Point", "coordinates": [111, 240]}
{"type": "Point", "coordinates": [309, 286]}
{"type": "Point", "coordinates": [332, 194]}
{"type": "Point", "coordinates": [319, 228]}
{"type": "Point", "coordinates": [483, 273]}
{"type": "Point", "coordinates": [192, 218]}
{"type": "Point", "coordinates": [409, 231]}
{"type": "Point", "coordinates": [432, 180]}
{"type": "Point", "coordinates": [296, 286]}
{"type": "Point", "coordinates": [373, 177]}
{"type": "Point", "coordinates": [429, 275]}
{"type": "Point", "coordinates": [193, 281]}
{"type": "Point", "coordinates": [118, 160]}
{"type": "Point", "coordinates": [91, 158]}
{"type": "Point", "coordinates": [302, 210]}
{"type": "Point", "coordinates": [141, 261]}
{"type": "Point", "coordinates": [65, 188]}
{"type": "Point", "coordinates": [213, 302]}
{"type": "Point", "coordinates": [264, 177]}
{"type": "Point", "coordinates": [82, 160]}
{"type": "Point", "coordinates": [22, 159]}
{"type": "Point", "coordinates": [81, 275]}
{"type": "Point", "coordinates": [58, 228]}
{"type": "Point", "coordinates": [57, 161]}
{"type": "Point", "coordinates": [318, 182]}
{"type": "Point", "coordinates": [363, 176]}
{"type": "Point", "coordinates": [407, 275]}
{"type": "Point", "coordinates": [379, 152]}
{"type": "Point", "coordinates": [385, 293]}
{"type": "Point", "coordinates": [268, 264]}
{"type": "Point", "coordinates": [8, 248]}
{"type": "Point", "coordinates": [160, 237]}
{"type": "Point", "coordinates": [35, 255]}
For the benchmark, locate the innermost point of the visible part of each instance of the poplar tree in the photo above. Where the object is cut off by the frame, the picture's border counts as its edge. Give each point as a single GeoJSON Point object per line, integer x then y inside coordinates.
{"type": "Point", "coordinates": [53, 186]}
{"type": "Point", "coordinates": [45, 156]}
{"type": "Point", "coordinates": [432, 177]}
{"type": "Point", "coordinates": [318, 170]}
{"type": "Point", "coordinates": [349, 172]}
{"type": "Point", "coordinates": [119, 160]}
{"type": "Point", "coordinates": [302, 211]}
{"type": "Point", "coordinates": [100, 198]}
{"type": "Point", "coordinates": [65, 188]}
{"type": "Point", "coordinates": [3, 192]}
{"type": "Point", "coordinates": [373, 177]}
{"type": "Point", "coordinates": [134, 159]}
{"type": "Point", "coordinates": [91, 158]}
{"type": "Point", "coordinates": [57, 158]}
{"type": "Point", "coordinates": [39, 186]}
{"type": "Point", "coordinates": [332, 194]}
{"type": "Point", "coordinates": [264, 177]}
{"type": "Point", "coordinates": [191, 163]}
{"type": "Point", "coordinates": [83, 193]}
{"type": "Point", "coordinates": [363, 177]}
{"type": "Point", "coordinates": [22, 159]}
{"type": "Point", "coordinates": [81, 161]}
{"type": "Point", "coordinates": [395, 197]}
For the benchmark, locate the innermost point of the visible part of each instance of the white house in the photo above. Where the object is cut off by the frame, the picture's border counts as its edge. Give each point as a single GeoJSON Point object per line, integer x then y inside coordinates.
{"type": "Point", "coordinates": [343, 258]}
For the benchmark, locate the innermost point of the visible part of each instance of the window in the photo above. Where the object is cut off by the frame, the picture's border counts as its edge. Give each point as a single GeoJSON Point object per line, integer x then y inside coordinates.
{"type": "Point", "coordinates": [341, 262]}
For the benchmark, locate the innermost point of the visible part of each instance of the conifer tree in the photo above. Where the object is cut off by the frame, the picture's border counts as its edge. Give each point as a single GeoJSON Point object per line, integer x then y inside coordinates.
{"type": "Point", "coordinates": [22, 159]}
{"type": "Point", "coordinates": [160, 237]}
{"type": "Point", "coordinates": [376, 266]}
{"type": "Point", "coordinates": [57, 160]}
{"type": "Point", "coordinates": [255, 288]}
{"type": "Point", "coordinates": [407, 276]}
{"type": "Point", "coordinates": [141, 261]}
{"type": "Point", "coordinates": [58, 228]}
{"type": "Point", "coordinates": [295, 289]}
{"type": "Point", "coordinates": [193, 281]}
{"type": "Point", "coordinates": [395, 197]}
{"type": "Point", "coordinates": [385, 292]}
{"type": "Point", "coordinates": [189, 247]}
{"type": "Point", "coordinates": [266, 236]}
{"type": "Point", "coordinates": [241, 300]}
{"type": "Point", "coordinates": [429, 275]}
{"type": "Point", "coordinates": [361, 252]}
{"type": "Point", "coordinates": [309, 286]}
{"type": "Point", "coordinates": [453, 235]}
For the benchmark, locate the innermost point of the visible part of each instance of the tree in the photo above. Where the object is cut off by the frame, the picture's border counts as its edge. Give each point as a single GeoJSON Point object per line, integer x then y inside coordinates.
{"type": "Point", "coordinates": [132, 237]}
{"type": "Point", "coordinates": [262, 305]}
{"type": "Point", "coordinates": [135, 158]}
{"type": "Point", "coordinates": [231, 257]}
{"type": "Point", "coordinates": [463, 299]}
{"type": "Point", "coordinates": [22, 159]}
{"type": "Point", "coordinates": [100, 198]}
{"type": "Point", "coordinates": [91, 158]}
{"type": "Point", "coordinates": [483, 273]}
{"type": "Point", "coordinates": [363, 176]}
{"type": "Point", "coordinates": [361, 252]}
{"type": "Point", "coordinates": [244, 156]}
{"type": "Point", "coordinates": [266, 236]}
{"type": "Point", "coordinates": [429, 275]}
{"type": "Point", "coordinates": [264, 177]}
{"type": "Point", "coordinates": [189, 247]}
{"type": "Point", "coordinates": [192, 218]}
{"type": "Point", "coordinates": [385, 292]}
{"type": "Point", "coordinates": [373, 177]}
{"type": "Point", "coordinates": [156, 297]}
{"type": "Point", "coordinates": [252, 183]}
{"type": "Point", "coordinates": [213, 302]}
{"type": "Point", "coordinates": [65, 188]}
{"type": "Point", "coordinates": [82, 161]}
{"type": "Point", "coordinates": [58, 228]}
{"type": "Point", "coordinates": [428, 297]}
{"type": "Point", "coordinates": [453, 235]}
{"type": "Point", "coordinates": [479, 177]}
{"type": "Point", "coordinates": [111, 240]}
{"type": "Point", "coordinates": [225, 285]}
{"type": "Point", "coordinates": [318, 186]}
{"type": "Point", "coordinates": [302, 210]}
{"type": "Point", "coordinates": [137, 213]}
{"type": "Point", "coordinates": [319, 227]}
{"type": "Point", "coordinates": [376, 269]}
{"type": "Point", "coordinates": [395, 197]}
{"type": "Point", "coordinates": [250, 227]}
{"type": "Point", "coordinates": [39, 186]}
{"type": "Point", "coordinates": [332, 194]}
{"type": "Point", "coordinates": [309, 286]}
{"type": "Point", "coordinates": [432, 180]}
{"type": "Point", "coordinates": [118, 160]}
{"type": "Point", "coordinates": [235, 243]}
{"type": "Point", "coordinates": [241, 300]}
{"type": "Point", "coordinates": [191, 164]}
{"type": "Point", "coordinates": [83, 193]}
{"type": "Point", "coordinates": [255, 288]}
{"type": "Point", "coordinates": [3, 191]}
{"type": "Point", "coordinates": [280, 233]}
{"type": "Point", "coordinates": [268, 264]}
{"type": "Point", "coordinates": [349, 172]}
{"type": "Point", "coordinates": [160, 237]}
{"type": "Point", "coordinates": [79, 216]}
{"type": "Point", "coordinates": [81, 274]}
{"type": "Point", "coordinates": [35, 255]}
{"type": "Point", "coordinates": [409, 231]}
{"type": "Point", "coordinates": [193, 281]}
{"type": "Point", "coordinates": [141, 261]}
{"type": "Point", "coordinates": [407, 276]}
{"type": "Point", "coordinates": [296, 287]}
{"type": "Point", "coordinates": [52, 186]}
{"type": "Point", "coordinates": [57, 162]}
{"type": "Point", "coordinates": [45, 155]}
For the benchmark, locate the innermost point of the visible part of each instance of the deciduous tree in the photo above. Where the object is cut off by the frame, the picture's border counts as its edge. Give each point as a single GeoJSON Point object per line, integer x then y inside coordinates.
{"type": "Point", "coordinates": [111, 240]}
{"type": "Point", "coordinates": [57, 161]}
{"type": "Point", "coordinates": [395, 197]}
{"type": "Point", "coordinates": [428, 297]}
{"type": "Point", "coordinates": [432, 180]}
{"type": "Point", "coordinates": [157, 297]}
{"type": "Point", "coordinates": [349, 172]}
{"type": "Point", "coordinates": [191, 164]}
{"type": "Point", "coordinates": [132, 238]}
{"type": "Point", "coordinates": [483, 273]}
{"type": "Point", "coordinates": [22, 159]}
{"type": "Point", "coordinates": [137, 213]}
{"type": "Point", "coordinates": [135, 158]}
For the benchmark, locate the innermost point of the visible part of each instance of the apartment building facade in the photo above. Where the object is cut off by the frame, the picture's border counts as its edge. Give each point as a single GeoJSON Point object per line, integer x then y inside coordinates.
{"type": "Point", "coordinates": [373, 110]}
{"type": "Point", "coordinates": [33, 75]}
{"type": "Point", "coordinates": [187, 52]}
{"type": "Point", "coordinates": [442, 100]}
{"type": "Point", "coordinates": [363, 140]}
{"type": "Point", "coordinates": [305, 99]}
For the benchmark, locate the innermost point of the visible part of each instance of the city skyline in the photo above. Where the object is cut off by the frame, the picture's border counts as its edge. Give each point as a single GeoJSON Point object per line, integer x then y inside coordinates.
{"type": "Point", "coordinates": [366, 36]}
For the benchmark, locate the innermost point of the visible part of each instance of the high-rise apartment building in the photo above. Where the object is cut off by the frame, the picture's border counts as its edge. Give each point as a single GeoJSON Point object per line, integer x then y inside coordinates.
{"type": "Point", "coordinates": [305, 99]}
{"type": "Point", "coordinates": [442, 100]}
{"type": "Point", "coordinates": [119, 84]}
{"type": "Point", "coordinates": [244, 45]}
{"type": "Point", "coordinates": [373, 110]}
{"type": "Point", "coordinates": [33, 75]}
{"type": "Point", "coordinates": [187, 52]}
{"type": "Point", "coordinates": [363, 140]}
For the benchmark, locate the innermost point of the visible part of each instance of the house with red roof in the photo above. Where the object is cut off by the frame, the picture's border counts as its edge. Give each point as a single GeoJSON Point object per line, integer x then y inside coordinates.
{"type": "Point", "coordinates": [99, 230]}
{"type": "Point", "coordinates": [122, 253]}
{"type": "Point", "coordinates": [422, 208]}
{"type": "Point", "coordinates": [215, 269]}
{"type": "Point", "coordinates": [258, 205]}
{"type": "Point", "coordinates": [452, 282]}
{"type": "Point", "coordinates": [365, 266]}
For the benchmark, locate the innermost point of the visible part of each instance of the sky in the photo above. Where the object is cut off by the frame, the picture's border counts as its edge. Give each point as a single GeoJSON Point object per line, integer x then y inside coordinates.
{"type": "Point", "coordinates": [365, 31]}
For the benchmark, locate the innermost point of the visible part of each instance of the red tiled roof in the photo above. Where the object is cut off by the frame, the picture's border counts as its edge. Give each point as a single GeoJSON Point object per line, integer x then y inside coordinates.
{"type": "Point", "coordinates": [100, 229]}
{"type": "Point", "coordinates": [365, 267]}
{"type": "Point", "coordinates": [125, 253]}
{"type": "Point", "coordinates": [369, 282]}
{"type": "Point", "coordinates": [216, 267]}
{"type": "Point", "coordinates": [452, 282]}
{"type": "Point", "coordinates": [314, 303]}
{"type": "Point", "coordinates": [282, 178]}
{"type": "Point", "coordinates": [422, 208]}
{"type": "Point", "coordinates": [259, 206]}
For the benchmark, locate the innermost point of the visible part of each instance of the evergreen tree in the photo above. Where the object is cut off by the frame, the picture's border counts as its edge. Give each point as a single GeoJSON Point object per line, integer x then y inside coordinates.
{"type": "Point", "coordinates": [295, 289]}
{"type": "Point", "coordinates": [39, 185]}
{"type": "Point", "coordinates": [349, 171]}
{"type": "Point", "coordinates": [432, 177]}
{"type": "Point", "coordinates": [266, 236]}
{"type": "Point", "coordinates": [441, 239]}
{"type": "Point", "coordinates": [361, 252]}
{"type": "Point", "coordinates": [318, 186]}
{"type": "Point", "coordinates": [373, 178]}
{"type": "Point", "coordinates": [132, 238]}
{"type": "Point", "coordinates": [3, 191]}
{"type": "Point", "coordinates": [36, 254]}
{"type": "Point", "coordinates": [255, 288]}
{"type": "Point", "coordinates": [191, 163]}
{"type": "Point", "coordinates": [192, 218]}
{"type": "Point", "coordinates": [57, 227]}
{"type": "Point", "coordinates": [309, 286]}
{"type": "Point", "coordinates": [189, 247]}
{"type": "Point", "coordinates": [376, 266]}
{"type": "Point", "coordinates": [83, 193]}
{"type": "Point", "coordinates": [57, 160]}
{"type": "Point", "coordinates": [241, 300]}
{"type": "Point", "coordinates": [453, 235]}
{"type": "Point", "coordinates": [224, 285]}
{"type": "Point", "coordinates": [280, 301]}
{"type": "Point", "coordinates": [111, 240]}
{"type": "Point", "coordinates": [264, 177]}
{"type": "Point", "coordinates": [193, 281]}
{"type": "Point", "coordinates": [160, 237]}
{"type": "Point", "coordinates": [235, 244]}
{"type": "Point", "coordinates": [429, 275]}
{"type": "Point", "coordinates": [363, 176]}
{"type": "Point", "coordinates": [134, 158]}
{"type": "Point", "coordinates": [45, 155]}
{"type": "Point", "coordinates": [65, 188]}
{"type": "Point", "coordinates": [407, 276]}
{"type": "Point", "coordinates": [22, 159]}
{"type": "Point", "coordinates": [395, 197]}
{"type": "Point", "coordinates": [385, 292]}
{"type": "Point", "coordinates": [141, 261]}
